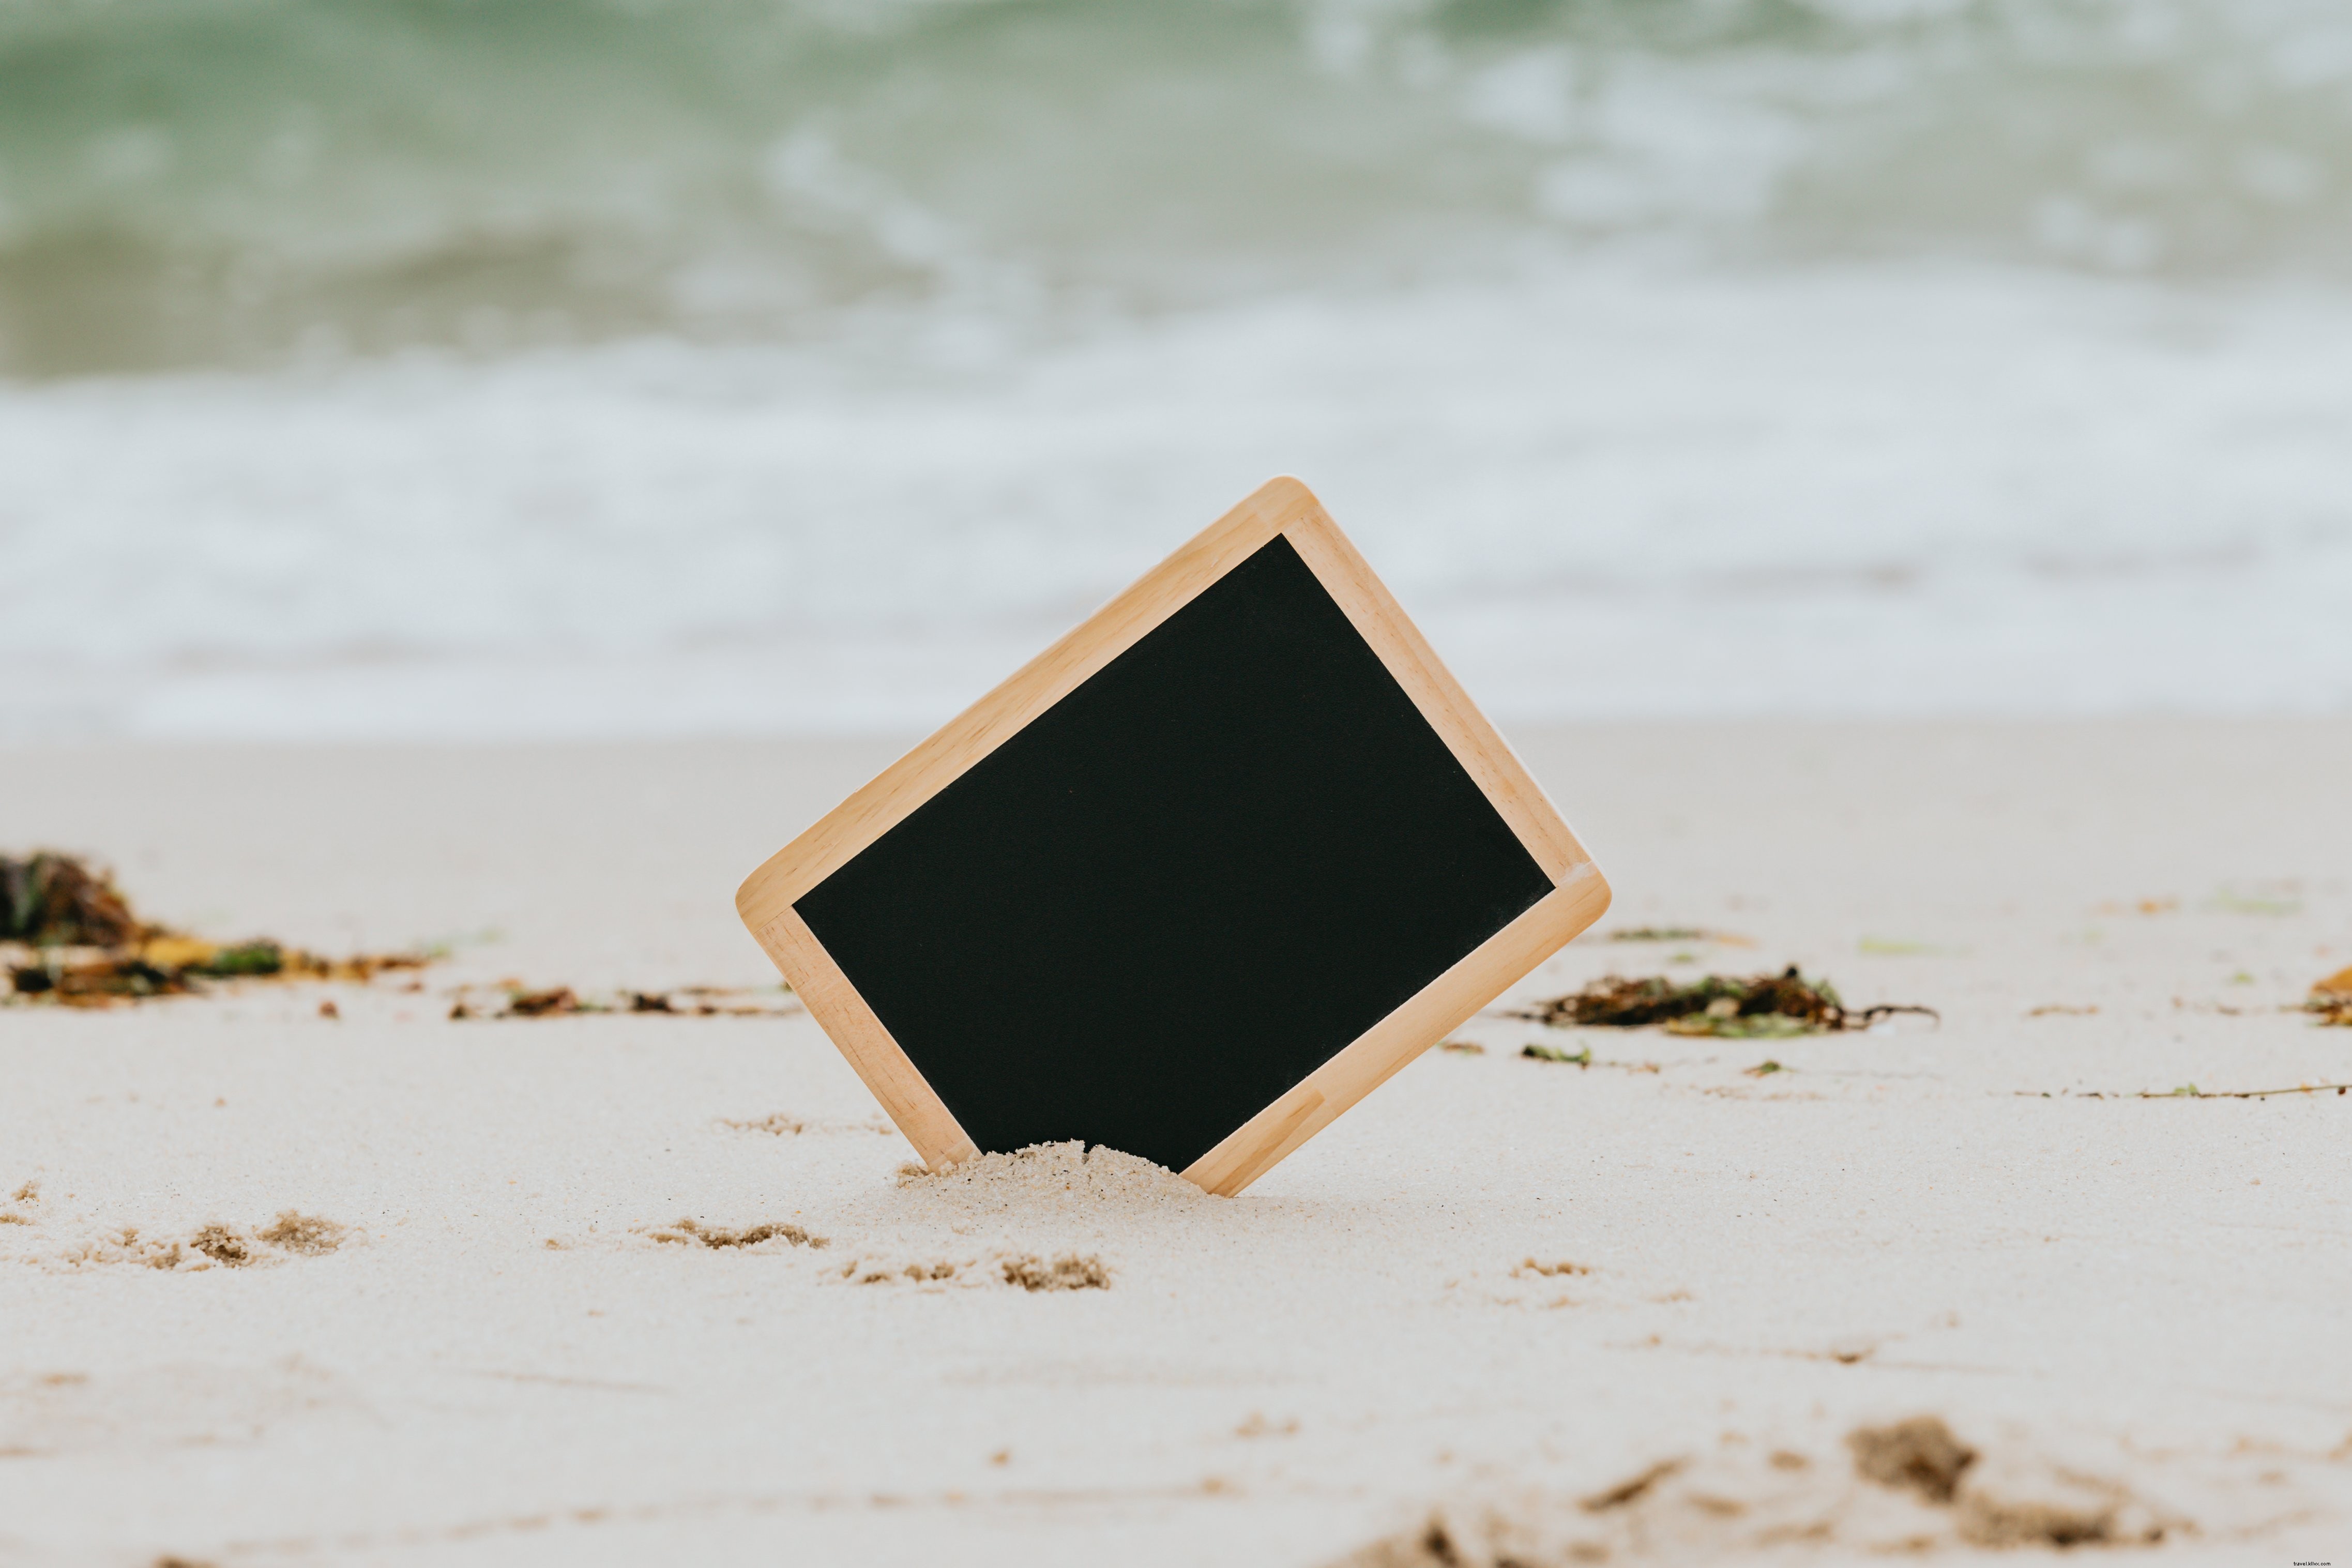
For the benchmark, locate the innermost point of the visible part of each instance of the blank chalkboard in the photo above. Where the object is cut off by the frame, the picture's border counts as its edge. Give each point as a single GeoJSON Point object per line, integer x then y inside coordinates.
{"type": "Point", "coordinates": [1190, 882]}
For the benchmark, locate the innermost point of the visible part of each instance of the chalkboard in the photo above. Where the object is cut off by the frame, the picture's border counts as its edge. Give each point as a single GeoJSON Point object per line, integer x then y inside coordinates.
{"type": "Point", "coordinates": [1190, 884]}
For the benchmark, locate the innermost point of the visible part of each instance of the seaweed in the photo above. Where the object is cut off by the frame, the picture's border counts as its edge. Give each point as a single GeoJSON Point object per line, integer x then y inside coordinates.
{"type": "Point", "coordinates": [87, 948]}
{"type": "Point", "coordinates": [262, 957]}
{"type": "Point", "coordinates": [543, 1003]}
{"type": "Point", "coordinates": [1760, 1006]}
{"type": "Point", "coordinates": [50, 900]}
{"type": "Point", "coordinates": [2331, 999]}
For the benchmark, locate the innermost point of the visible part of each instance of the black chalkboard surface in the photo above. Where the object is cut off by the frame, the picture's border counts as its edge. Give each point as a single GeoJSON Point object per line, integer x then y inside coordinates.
{"type": "Point", "coordinates": [1190, 884]}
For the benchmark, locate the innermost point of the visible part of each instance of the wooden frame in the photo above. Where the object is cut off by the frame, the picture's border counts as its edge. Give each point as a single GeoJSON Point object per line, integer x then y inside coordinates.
{"type": "Point", "coordinates": [1282, 506]}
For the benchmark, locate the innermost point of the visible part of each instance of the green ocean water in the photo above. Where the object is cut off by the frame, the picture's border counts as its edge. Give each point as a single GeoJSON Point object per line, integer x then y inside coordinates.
{"type": "Point", "coordinates": [253, 182]}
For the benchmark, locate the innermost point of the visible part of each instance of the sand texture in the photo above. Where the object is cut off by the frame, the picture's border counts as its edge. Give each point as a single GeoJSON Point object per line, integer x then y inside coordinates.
{"type": "Point", "coordinates": [277, 1288]}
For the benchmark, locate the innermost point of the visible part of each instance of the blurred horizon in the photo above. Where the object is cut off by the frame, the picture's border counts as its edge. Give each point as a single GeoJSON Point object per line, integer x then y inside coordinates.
{"type": "Point", "coordinates": [405, 369]}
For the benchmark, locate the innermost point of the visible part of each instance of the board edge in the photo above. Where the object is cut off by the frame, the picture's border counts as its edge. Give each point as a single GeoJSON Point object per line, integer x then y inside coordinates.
{"type": "Point", "coordinates": [1382, 1051]}
{"type": "Point", "coordinates": [1283, 506]}
{"type": "Point", "coordinates": [949, 752]}
{"type": "Point", "coordinates": [1444, 703]}
{"type": "Point", "coordinates": [865, 1043]}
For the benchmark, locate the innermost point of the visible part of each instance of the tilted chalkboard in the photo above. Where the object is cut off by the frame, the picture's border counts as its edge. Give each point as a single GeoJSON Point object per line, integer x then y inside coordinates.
{"type": "Point", "coordinates": [1191, 882]}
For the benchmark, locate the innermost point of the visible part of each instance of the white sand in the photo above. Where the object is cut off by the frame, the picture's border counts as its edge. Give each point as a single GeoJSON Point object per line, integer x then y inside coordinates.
{"type": "Point", "coordinates": [504, 1362]}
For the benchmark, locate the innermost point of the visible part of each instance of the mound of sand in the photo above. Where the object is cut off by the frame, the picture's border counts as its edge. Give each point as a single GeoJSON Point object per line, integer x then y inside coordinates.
{"type": "Point", "coordinates": [1052, 1181]}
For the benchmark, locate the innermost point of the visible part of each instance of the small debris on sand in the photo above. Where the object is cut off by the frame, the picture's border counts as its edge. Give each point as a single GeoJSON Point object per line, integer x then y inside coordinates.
{"type": "Point", "coordinates": [1540, 1052]}
{"type": "Point", "coordinates": [1763, 1006]}
{"type": "Point", "coordinates": [1069, 1272]}
{"type": "Point", "coordinates": [1679, 933]}
{"type": "Point", "coordinates": [2137, 906]}
{"type": "Point", "coordinates": [542, 1004]}
{"type": "Point", "coordinates": [513, 999]}
{"type": "Point", "coordinates": [775, 1124]}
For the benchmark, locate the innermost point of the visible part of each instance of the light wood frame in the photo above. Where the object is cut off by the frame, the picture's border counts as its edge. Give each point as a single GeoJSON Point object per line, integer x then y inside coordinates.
{"type": "Point", "coordinates": [1579, 894]}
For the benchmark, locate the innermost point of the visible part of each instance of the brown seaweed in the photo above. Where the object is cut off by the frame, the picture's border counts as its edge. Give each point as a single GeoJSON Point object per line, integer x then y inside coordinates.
{"type": "Point", "coordinates": [1762, 1005]}
{"type": "Point", "coordinates": [50, 900]}
{"type": "Point", "coordinates": [2331, 999]}
{"type": "Point", "coordinates": [88, 950]}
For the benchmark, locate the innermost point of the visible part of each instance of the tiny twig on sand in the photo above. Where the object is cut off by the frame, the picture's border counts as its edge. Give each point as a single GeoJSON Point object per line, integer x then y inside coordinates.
{"type": "Point", "coordinates": [2187, 1092]}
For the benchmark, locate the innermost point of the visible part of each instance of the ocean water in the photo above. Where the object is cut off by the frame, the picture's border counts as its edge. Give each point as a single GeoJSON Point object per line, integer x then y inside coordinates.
{"type": "Point", "coordinates": [483, 369]}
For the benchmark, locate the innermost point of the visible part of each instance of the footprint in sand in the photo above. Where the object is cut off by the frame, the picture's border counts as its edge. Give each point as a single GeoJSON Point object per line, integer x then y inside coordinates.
{"type": "Point", "coordinates": [1068, 1271]}
{"type": "Point", "coordinates": [694, 1233]}
{"type": "Point", "coordinates": [1911, 1486]}
{"type": "Point", "coordinates": [291, 1235]}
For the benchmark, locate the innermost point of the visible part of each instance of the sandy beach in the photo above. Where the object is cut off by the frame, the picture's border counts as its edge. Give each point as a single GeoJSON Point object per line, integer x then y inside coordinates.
{"type": "Point", "coordinates": [1507, 1308]}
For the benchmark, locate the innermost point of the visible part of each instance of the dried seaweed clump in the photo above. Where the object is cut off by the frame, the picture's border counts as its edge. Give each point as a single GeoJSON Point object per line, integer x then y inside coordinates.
{"type": "Point", "coordinates": [50, 900]}
{"type": "Point", "coordinates": [1764, 1006]}
{"type": "Point", "coordinates": [79, 944]}
{"type": "Point", "coordinates": [2332, 1000]}
{"type": "Point", "coordinates": [1068, 1272]}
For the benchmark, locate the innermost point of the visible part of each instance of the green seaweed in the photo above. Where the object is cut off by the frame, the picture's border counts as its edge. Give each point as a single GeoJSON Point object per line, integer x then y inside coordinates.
{"type": "Point", "coordinates": [246, 959]}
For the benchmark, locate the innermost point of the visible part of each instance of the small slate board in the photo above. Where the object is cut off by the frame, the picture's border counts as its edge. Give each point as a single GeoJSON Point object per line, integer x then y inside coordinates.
{"type": "Point", "coordinates": [1191, 882]}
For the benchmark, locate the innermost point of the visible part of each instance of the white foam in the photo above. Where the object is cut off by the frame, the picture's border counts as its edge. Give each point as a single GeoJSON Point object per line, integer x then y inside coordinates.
{"type": "Point", "coordinates": [1603, 490]}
